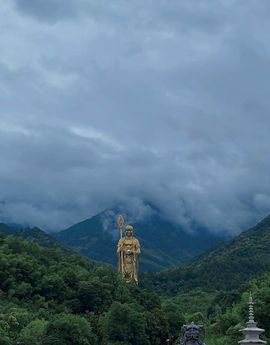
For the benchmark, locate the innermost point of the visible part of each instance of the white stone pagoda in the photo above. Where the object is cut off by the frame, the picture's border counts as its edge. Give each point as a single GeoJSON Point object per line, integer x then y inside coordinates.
{"type": "Point", "coordinates": [252, 332]}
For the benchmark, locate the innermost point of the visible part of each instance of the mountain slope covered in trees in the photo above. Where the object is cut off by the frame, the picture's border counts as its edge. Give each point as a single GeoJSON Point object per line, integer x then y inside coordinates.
{"type": "Point", "coordinates": [33, 234]}
{"type": "Point", "coordinates": [50, 297]}
{"type": "Point", "coordinates": [214, 288]}
{"type": "Point", "coordinates": [224, 267]}
{"type": "Point", "coordinates": [164, 243]}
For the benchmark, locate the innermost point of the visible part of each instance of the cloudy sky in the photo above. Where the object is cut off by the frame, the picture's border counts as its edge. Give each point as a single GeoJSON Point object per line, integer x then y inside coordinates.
{"type": "Point", "coordinates": [108, 102]}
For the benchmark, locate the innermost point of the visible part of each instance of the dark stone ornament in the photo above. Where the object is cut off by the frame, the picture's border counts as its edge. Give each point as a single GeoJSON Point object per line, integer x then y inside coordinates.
{"type": "Point", "coordinates": [191, 335]}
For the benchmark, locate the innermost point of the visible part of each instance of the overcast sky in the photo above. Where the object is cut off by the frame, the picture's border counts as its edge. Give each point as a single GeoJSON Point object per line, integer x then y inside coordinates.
{"type": "Point", "coordinates": [108, 102]}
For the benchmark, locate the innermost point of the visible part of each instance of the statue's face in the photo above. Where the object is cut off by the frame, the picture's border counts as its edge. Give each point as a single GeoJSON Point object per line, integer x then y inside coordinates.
{"type": "Point", "coordinates": [128, 233]}
{"type": "Point", "coordinates": [192, 333]}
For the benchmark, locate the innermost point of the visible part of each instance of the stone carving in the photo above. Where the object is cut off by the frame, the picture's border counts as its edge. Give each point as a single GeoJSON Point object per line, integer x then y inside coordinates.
{"type": "Point", "coordinates": [191, 335]}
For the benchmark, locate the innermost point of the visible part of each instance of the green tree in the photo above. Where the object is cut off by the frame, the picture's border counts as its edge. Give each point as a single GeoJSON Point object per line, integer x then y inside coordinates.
{"type": "Point", "coordinates": [175, 319]}
{"type": "Point", "coordinates": [94, 296]}
{"type": "Point", "coordinates": [33, 333]}
{"type": "Point", "coordinates": [4, 340]}
{"type": "Point", "coordinates": [124, 324]}
{"type": "Point", "coordinates": [69, 330]}
{"type": "Point", "coordinates": [156, 327]}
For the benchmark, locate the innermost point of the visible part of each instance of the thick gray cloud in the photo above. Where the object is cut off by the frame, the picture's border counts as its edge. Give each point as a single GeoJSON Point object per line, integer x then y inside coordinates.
{"type": "Point", "coordinates": [118, 102]}
{"type": "Point", "coordinates": [49, 10]}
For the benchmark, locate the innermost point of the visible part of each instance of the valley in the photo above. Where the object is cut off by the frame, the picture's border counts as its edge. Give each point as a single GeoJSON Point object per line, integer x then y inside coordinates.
{"type": "Point", "coordinates": [44, 284]}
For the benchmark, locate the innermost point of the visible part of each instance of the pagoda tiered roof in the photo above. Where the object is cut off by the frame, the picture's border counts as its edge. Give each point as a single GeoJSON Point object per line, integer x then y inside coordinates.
{"type": "Point", "coordinates": [251, 331]}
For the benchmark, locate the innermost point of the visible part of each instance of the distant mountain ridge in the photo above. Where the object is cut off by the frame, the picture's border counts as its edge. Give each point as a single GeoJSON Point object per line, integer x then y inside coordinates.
{"type": "Point", "coordinates": [164, 243]}
{"type": "Point", "coordinates": [32, 234]}
{"type": "Point", "coordinates": [224, 267]}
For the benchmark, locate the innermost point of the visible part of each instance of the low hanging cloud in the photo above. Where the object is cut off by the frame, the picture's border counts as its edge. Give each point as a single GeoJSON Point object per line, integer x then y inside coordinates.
{"type": "Point", "coordinates": [108, 103]}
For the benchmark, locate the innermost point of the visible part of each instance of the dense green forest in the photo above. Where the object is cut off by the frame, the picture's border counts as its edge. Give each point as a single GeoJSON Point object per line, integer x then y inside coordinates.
{"type": "Point", "coordinates": [212, 288]}
{"type": "Point", "coordinates": [225, 267]}
{"type": "Point", "coordinates": [50, 295]}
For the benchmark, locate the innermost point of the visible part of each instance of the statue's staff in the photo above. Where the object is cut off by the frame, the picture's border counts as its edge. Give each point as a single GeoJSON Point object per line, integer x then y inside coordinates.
{"type": "Point", "coordinates": [121, 222]}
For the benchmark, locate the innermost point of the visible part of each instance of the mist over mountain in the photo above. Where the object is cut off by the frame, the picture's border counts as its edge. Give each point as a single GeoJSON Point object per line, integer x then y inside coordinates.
{"type": "Point", "coordinates": [124, 101]}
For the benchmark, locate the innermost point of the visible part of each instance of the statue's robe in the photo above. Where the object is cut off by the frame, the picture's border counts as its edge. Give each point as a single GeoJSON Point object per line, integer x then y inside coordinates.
{"type": "Point", "coordinates": [128, 256]}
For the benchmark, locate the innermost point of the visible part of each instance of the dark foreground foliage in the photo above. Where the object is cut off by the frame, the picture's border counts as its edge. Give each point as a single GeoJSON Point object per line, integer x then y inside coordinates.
{"type": "Point", "coordinates": [50, 297]}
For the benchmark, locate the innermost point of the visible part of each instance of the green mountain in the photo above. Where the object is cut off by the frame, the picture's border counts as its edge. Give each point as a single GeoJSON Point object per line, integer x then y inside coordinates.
{"type": "Point", "coordinates": [32, 234]}
{"type": "Point", "coordinates": [225, 267]}
{"type": "Point", "coordinates": [164, 243]}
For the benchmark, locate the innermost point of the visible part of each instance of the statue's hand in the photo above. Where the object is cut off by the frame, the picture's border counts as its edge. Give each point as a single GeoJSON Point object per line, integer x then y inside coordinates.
{"type": "Point", "coordinates": [119, 248]}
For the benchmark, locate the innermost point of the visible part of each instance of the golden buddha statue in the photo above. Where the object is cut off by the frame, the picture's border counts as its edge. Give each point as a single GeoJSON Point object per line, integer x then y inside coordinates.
{"type": "Point", "coordinates": [128, 253]}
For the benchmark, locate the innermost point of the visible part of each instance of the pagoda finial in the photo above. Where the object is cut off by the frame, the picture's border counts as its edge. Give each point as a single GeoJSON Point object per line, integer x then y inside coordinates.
{"type": "Point", "coordinates": [251, 308]}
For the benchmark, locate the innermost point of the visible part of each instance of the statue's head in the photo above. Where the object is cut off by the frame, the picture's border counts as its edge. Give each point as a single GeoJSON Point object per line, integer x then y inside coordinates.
{"type": "Point", "coordinates": [192, 334]}
{"type": "Point", "coordinates": [129, 231]}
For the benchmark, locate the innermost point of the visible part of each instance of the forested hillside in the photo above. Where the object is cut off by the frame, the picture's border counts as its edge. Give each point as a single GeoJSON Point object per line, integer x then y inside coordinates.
{"type": "Point", "coordinates": [225, 267]}
{"type": "Point", "coordinates": [213, 288]}
{"type": "Point", "coordinates": [224, 313]}
{"type": "Point", "coordinates": [49, 297]}
{"type": "Point", "coordinates": [33, 234]}
{"type": "Point", "coordinates": [52, 296]}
